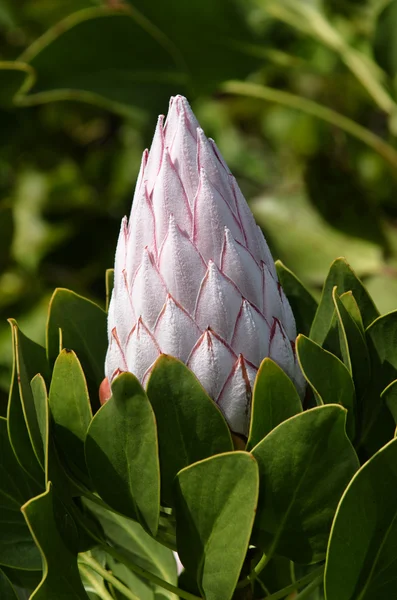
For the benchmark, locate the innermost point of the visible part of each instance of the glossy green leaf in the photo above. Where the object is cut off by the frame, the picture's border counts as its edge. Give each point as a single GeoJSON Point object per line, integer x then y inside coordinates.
{"type": "Point", "coordinates": [131, 539]}
{"type": "Point", "coordinates": [70, 407]}
{"type": "Point", "coordinates": [17, 548]}
{"type": "Point", "coordinates": [40, 400]}
{"type": "Point", "coordinates": [110, 57]}
{"type": "Point", "coordinates": [22, 579]}
{"type": "Point", "coordinates": [303, 304]}
{"type": "Point", "coordinates": [389, 396]}
{"type": "Point", "coordinates": [304, 466]}
{"type": "Point", "coordinates": [377, 424]}
{"type": "Point", "coordinates": [354, 343]}
{"type": "Point", "coordinates": [215, 508]}
{"type": "Point", "coordinates": [83, 326]}
{"type": "Point", "coordinates": [122, 455]}
{"type": "Point", "coordinates": [274, 400]}
{"type": "Point", "coordinates": [7, 591]}
{"type": "Point", "coordinates": [14, 76]}
{"type": "Point", "coordinates": [343, 277]}
{"type": "Point", "coordinates": [30, 360]}
{"type": "Point", "coordinates": [349, 302]}
{"type": "Point", "coordinates": [363, 544]}
{"type": "Point", "coordinates": [190, 425]}
{"type": "Point", "coordinates": [328, 377]}
{"type": "Point", "coordinates": [61, 579]}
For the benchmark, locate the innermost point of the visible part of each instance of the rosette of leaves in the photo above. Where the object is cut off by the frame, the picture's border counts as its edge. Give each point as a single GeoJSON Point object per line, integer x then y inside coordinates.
{"type": "Point", "coordinates": [95, 500]}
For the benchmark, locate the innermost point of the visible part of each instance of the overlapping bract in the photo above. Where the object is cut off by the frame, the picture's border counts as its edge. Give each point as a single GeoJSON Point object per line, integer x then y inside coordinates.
{"type": "Point", "coordinates": [194, 277]}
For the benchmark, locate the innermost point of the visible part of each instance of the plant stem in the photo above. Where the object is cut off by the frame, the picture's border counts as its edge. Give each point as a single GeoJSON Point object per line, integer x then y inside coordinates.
{"type": "Point", "coordinates": [99, 590]}
{"type": "Point", "coordinates": [313, 579]}
{"type": "Point", "coordinates": [309, 107]}
{"type": "Point", "coordinates": [95, 566]}
{"type": "Point", "coordinates": [147, 575]}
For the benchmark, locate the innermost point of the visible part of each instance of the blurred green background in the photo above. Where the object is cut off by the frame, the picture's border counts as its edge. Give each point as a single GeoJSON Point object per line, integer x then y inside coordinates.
{"type": "Point", "coordinates": [300, 95]}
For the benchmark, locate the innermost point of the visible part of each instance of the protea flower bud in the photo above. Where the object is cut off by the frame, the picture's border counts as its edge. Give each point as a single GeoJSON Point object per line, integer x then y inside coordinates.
{"type": "Point", "coordinates": [194, 277]}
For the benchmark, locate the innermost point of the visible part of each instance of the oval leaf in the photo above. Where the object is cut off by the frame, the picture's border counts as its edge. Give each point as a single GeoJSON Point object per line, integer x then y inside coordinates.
{"type": "Point", "coordinates": [7, 592]}
{"type": "Point", "coordinates": [83, 326]}
{"type": "Point", "coordinates": [361, 560]}
{"type": "Point", "coordinates": [121, 453]}
{"type": "Point", "coordinates": [328, 377]}
{"type": "Point", "coordinates": [190, 425]}
{"type": "Point", "coordinates": [70, 408]}
{"type": "Point", "coordinates": [305, 465]}
{"type": "Point", "coordinates": [274, 400]}
{"type": "Point", "coordinates": [343, 277]}
{"type": "Point", "coordinates": [215, 508]}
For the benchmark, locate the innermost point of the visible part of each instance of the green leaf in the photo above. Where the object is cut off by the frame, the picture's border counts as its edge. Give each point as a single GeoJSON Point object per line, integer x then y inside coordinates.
{"type": "Point", "coordinates": [7, 592]}
{"type": "Point", "coordinates": [30, 360]}
{"type": "Point", "coordinates": [61, 579]}
{"type": "Point", "coordinates": [112, 57]}
{"type": "Point", "coordinates": [190, 426]}
{"type": "Point", "coordinates": [343, 277]}
{"type": "Point", "coordinates": [138, 546]}
{"type": "Point", "coordinates": [303, 304]}
{"type": "Point", "coordinates": [363, 544]}
{"type": "Point", "coordinates": [70, 408]}
{"type": "Point", "coordinates": [328, 377]}
{"type": "Point", "coordinates": [274, 400]}
{"type": "Point", "coordinates": [384, 40]}
{"type": "Point", "coordinates": [14, 77]}
{"type": "Point", "coordinates": [121, 453]}
{"type": "Point", "coordinates": [304, 466]}
{"type": "Point", "coordinates": [17, 548]}
{"type": "Point", "coordinates": [376, 422]}
{"type": "Point", "coordinates": [349, 302]}
{"type": "Point", "coordinates": [40, 399]}
{"type": "Point", "coordinates": [389, 397]}
{"type": "Point", "coordinates": [355, 347]}
{"type": "Point", "coordinates": [216, 501]}
{"type": "Point", "coordinates": [83, 326]}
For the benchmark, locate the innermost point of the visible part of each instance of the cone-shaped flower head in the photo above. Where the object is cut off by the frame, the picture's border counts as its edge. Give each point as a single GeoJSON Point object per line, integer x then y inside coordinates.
{"type": "Point", "coordinates": [194, 277]}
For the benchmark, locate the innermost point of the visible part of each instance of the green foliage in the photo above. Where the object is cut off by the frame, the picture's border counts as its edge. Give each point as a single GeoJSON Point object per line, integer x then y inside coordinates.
{"type": "Point", "coordinates": [190, 426]}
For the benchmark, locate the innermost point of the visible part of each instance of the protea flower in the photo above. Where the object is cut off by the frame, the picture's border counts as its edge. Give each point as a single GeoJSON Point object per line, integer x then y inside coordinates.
{"type": "Point", "coordinates": [194, 277]}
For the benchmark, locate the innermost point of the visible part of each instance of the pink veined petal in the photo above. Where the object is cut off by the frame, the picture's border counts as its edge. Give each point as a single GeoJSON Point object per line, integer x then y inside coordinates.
{"type": "Point", "coordinates": [219, 156]}
{"type": "Point", "coordinates": [249, 227]}
{"type": "Point", "coordinates": [238, 264]}
{"type": "Point", "coordinates": [272, 306]}
{"type": "Point", "coordinates": [207, 160]}
{"type": "Point", "coordinates": [122, 309]}
{"type": "Point", "coordinates": [121, 249]}
{"type": "Point", "coordinates": [190, 117]}
{"type": "Point", "coordinates": [211, 214]}
{"type": "Point", "coordinates": [281, 350]}
{"type": "Point", "coordinates": [140, 182]}
{"type": "Point", "coordinates": [251, 335]}
{"type": "Point", "coordinates": [235, 397]}
{"type": "Point", "coordinates": [211, 360]}
{"type": "Point", "coordinates": [115, 360]}
{"type": "Point", "coordinates": [183, 154]}
{"type": "Point", "coordinates": [155, 156]}
{"type": "Point", "coordinates": [181, 266]}
{"type": "Point", "coordinates": [175, 331]}
{"type": "Point", "coordinates": [142, 232]}
{"type": "Point", "coordinates": [171, 122]}
{"type": "Point", "coordinates": [265, 253]}
{"type": "Point", "coordinates": [148, 290]}
{"type": "Point", "coordinates": [142, 350]}
{"type": "Point", "coordinates": [288, 319]}
{"type": "Point", "coordinates": [218, 303]}
{"type": "Point", "coordinates": [169, 198]}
